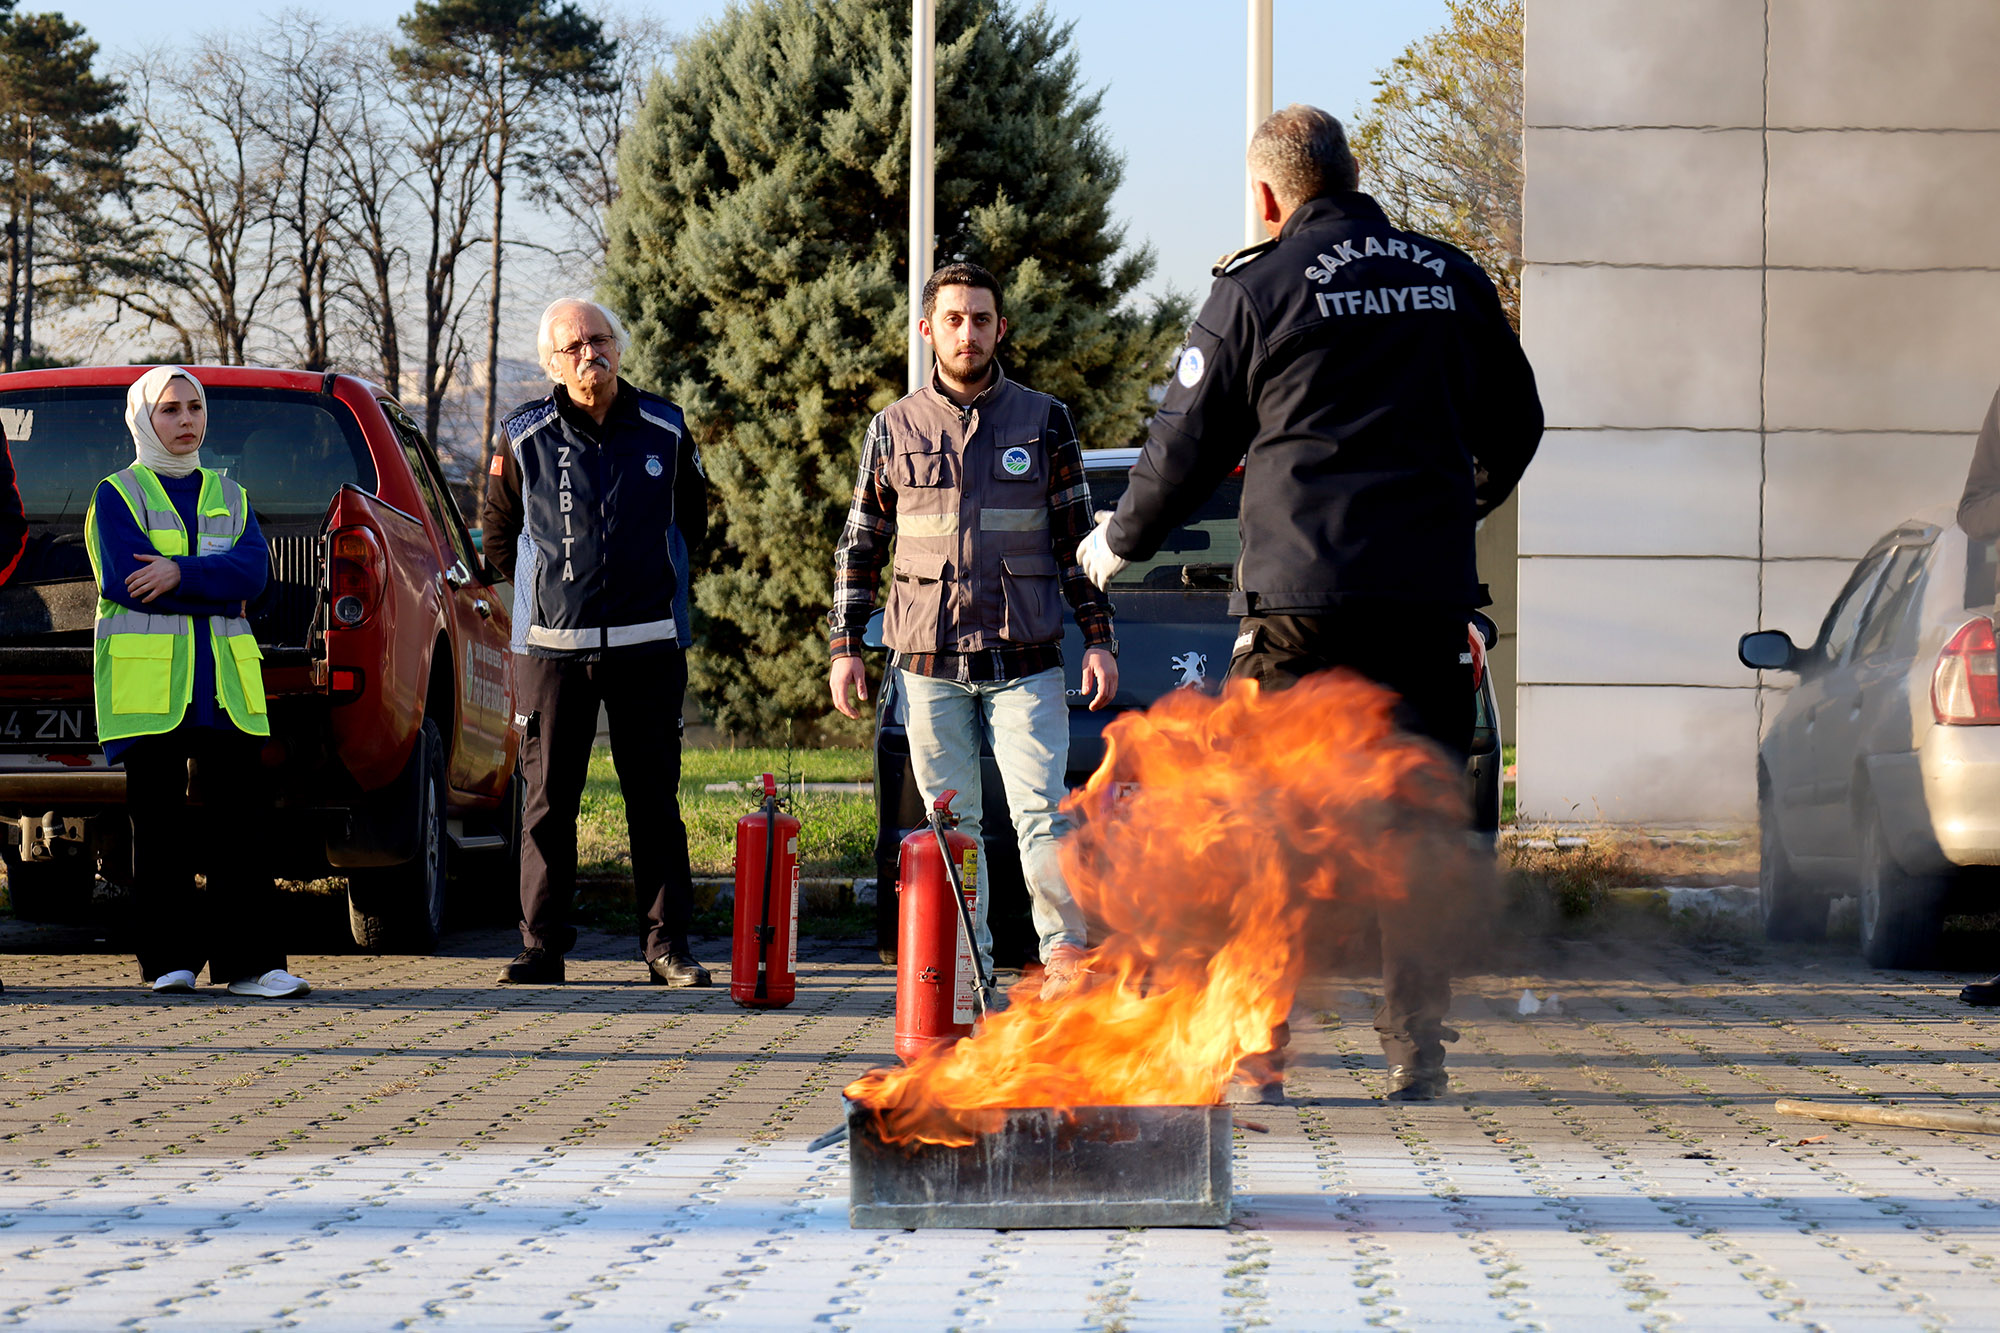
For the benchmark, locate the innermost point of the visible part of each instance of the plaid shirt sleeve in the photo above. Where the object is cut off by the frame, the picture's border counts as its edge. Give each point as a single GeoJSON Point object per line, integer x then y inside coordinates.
{"type": "Point", "coordinates": [1070, 521]}
{"type": "Point", "coordinates": [864, 545]}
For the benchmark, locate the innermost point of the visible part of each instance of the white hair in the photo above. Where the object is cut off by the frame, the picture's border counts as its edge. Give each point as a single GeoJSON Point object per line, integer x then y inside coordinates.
{"type": "Point", "coordinates": [545, 346]}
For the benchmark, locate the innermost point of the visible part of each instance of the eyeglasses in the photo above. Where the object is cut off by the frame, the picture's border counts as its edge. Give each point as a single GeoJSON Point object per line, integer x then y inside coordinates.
{"type": "Point", "coordinates": [603, 342]}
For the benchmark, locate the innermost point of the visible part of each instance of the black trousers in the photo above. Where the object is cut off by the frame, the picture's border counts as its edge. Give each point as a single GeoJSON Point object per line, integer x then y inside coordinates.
{"type": "Point", "coordinates": [1422, 654]}
{"type": "Point", "coordinates": [233, 927]}
{"type": "Point", "coordinates": [642, 695]}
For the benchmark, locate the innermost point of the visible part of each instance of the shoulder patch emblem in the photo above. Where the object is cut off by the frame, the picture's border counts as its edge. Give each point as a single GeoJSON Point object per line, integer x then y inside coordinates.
{"type": "Point", "coordinates": [653, 466]}
{"type": "Point", "coordinates": [1016, 461]}
{"type": "Point", "coordinates": [1192, 365]}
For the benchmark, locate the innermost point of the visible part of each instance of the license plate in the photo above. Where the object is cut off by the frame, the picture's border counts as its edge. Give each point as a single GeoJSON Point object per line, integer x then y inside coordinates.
{"type": "Point", "coordinates": [43, 726]}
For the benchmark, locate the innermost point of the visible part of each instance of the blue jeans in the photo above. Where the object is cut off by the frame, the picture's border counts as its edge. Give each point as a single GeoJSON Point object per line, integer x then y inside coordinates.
{"type": "Point", "coordinates": [1030, 725]}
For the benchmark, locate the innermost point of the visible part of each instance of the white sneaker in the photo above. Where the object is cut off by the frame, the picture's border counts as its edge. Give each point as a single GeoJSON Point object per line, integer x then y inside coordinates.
{"type": "Point", "coordinates": [180, 981]}
{"type": "Point", "coordinates": [277, 984]}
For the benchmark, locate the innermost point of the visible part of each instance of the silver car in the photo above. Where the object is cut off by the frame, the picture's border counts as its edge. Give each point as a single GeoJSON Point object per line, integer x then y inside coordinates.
{"type": "Point", "coordinates": [1880, 776]}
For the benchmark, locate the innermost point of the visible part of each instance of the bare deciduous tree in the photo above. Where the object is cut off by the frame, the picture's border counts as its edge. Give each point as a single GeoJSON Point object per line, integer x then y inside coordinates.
{"type": "Point", "coordinates": [504, 58]}
{"type": "Point", "coordinates": [307, 109]}
{"type": "Point", "coordinates": [450, 184]}
{"type": "Point", "coordinates": [575, 175]}
{"type": "Point", "coordinates": [204, 180]}
{"type": "Point", "coordinates": [373, 162]}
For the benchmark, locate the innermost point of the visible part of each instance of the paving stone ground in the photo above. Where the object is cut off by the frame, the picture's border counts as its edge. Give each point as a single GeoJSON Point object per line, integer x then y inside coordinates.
{"type": "Point", "coordinates": [414, 1147]}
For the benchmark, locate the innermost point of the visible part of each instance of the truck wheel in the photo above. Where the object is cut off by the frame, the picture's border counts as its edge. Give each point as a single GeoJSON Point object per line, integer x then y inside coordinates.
{"type": "Point", "coordinates": [1902, 914]}
{"type": "Point", "coordinates": [54, 891]}
{"type": "Point", "coordinates": [400, 909]}
{"type": "Point", "coordinates": [1791, 910]}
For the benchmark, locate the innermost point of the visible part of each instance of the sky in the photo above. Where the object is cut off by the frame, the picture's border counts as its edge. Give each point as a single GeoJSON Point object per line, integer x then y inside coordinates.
{"type": "Point", "coordinates": [1172, 71]}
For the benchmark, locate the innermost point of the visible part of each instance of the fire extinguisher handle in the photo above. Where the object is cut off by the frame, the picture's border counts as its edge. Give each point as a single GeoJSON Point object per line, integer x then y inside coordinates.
{"type": "Point", "coordinates": [770, 785]}
{"type": "Point", "coordinates": [943, 803]}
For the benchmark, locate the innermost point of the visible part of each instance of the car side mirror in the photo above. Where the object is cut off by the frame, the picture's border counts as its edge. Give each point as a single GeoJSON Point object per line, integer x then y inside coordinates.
{"type": "Point", "coordinates": [871, 637]}
{"type": "Point", "coordinates": [1489, 633]}
{"type": "Point", "coordinates": [1768, 650]}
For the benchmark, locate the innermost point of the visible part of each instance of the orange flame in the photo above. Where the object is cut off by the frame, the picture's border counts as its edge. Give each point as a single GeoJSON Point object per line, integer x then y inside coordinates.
{"type": "Point", "coordinates": [1251, 811]}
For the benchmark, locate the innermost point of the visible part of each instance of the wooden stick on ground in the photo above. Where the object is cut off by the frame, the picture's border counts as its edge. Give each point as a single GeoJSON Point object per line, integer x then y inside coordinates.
{"type": "Point", "coordinates": [1951, 1122]}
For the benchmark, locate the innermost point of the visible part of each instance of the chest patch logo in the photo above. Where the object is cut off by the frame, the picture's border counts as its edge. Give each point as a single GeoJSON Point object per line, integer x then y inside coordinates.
{"type": "Point", "coordinates": [1016, 461]}
{"type": "Point", "coordinates": [1192, 365]}
{"type": "Point", "coordinates": [653, 465]}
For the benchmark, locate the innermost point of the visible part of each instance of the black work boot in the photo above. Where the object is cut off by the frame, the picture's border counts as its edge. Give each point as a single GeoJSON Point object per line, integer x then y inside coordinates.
{"type": "Point", "coordinates": [535, 967]}
{"type": "Point", "coordinates": [677, 967]}
{"type": "Point", "coordinates": [1417, 1083]}
{"type": "Point", "coordinates": [1985, 994]}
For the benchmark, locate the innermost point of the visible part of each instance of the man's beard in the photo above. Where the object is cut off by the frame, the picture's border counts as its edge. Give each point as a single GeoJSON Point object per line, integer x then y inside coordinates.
{"type": "Point", "coordinates": [969, 369]}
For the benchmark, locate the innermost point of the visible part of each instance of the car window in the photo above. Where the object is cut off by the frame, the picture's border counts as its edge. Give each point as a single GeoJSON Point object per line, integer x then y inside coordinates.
{"type": "Point", "coordinates": [1201, 553]}
{"type": "Point", "coordinates": [1837, 631]}
{"type": "Point", "coordinates": [290, 451]}
{"type": "Point", "coordinates": [437, 495]}
{"type": "Point", "coordinates": [1889, 609]}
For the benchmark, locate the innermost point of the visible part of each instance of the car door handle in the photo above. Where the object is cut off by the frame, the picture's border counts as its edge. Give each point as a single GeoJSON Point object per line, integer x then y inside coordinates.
{"type": "Point", "coordinates": [484, 609]}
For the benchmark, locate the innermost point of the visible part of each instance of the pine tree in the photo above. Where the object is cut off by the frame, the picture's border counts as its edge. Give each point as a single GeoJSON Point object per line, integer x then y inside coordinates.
{"type": "Point", "coordinates": [64, 149]}
{"type": "Point", "coordinates": [758, 256]}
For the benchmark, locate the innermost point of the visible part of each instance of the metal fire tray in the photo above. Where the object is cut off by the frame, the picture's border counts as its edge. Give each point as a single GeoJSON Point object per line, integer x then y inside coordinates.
{"type": "Point", "coordinates": [1089, 1166]}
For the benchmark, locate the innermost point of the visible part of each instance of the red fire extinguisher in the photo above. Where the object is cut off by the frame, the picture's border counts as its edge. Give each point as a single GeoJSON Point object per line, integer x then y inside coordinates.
{"type": "Point", "coordinates": [765, 961]}
{"type": "Point", "coordinates": [941, 987]}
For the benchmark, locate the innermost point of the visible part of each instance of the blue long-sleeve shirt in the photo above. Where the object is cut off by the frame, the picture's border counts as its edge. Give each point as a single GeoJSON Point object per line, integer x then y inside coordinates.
{"type": "Point", "coordinates": [211, 585]}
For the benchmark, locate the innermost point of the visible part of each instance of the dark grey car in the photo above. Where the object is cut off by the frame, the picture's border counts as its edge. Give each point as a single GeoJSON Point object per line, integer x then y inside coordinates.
{"type": "Point", "coordinates": [1174, 630]}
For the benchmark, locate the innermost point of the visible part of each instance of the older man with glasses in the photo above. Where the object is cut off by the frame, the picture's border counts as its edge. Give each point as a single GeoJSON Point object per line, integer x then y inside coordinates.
{"type": "Point", "coordinates": [594, 500]}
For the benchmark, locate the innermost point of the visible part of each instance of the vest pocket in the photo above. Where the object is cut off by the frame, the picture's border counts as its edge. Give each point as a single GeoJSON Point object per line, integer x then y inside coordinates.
{"type": "Point", "coordinates": [1031, 613]}
{"type": "Point", "coordinates": [249, 671]}
{"type": "Point", "coordinates": [925, 471]}
{"type": "Point", "coordinates": [142, 673]}
{"type": "Point", "coordinates": [915, 620]}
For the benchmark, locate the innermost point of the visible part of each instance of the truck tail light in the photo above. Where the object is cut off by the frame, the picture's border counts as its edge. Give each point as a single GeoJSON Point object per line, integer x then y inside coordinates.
{"type": "Point", "coordinates": [354, 575]}
{"type": "Point", "coordinates": [1965, 688]}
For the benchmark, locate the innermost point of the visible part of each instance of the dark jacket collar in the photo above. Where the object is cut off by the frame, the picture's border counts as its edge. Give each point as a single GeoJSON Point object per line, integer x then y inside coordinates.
{"type": "Point", "coordinates": [624, 408]}
{"type": "Point", "coordinates": [1351, 205]}
{"type": "Point", "coordinates": [986, 395]}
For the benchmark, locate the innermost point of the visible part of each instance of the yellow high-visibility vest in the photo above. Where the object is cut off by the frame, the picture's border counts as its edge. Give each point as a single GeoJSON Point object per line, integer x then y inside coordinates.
{"type": "Point", "coordinates": [144, 662]}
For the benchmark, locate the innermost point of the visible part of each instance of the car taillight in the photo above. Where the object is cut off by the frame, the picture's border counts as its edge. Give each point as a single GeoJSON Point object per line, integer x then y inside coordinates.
{"type": "Point", "coordinates": [1478, 657]}
{"type": "Point", "coordinates": [354, 575]}
{"type": "Point", "coordinates": [1965, 688]}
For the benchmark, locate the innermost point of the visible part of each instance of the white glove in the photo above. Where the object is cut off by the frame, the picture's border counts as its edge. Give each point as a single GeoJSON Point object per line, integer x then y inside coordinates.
{"type": "Point", "coordinates": [1094, 553]}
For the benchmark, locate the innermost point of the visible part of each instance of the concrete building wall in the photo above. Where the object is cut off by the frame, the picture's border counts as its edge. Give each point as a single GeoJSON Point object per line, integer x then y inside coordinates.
{"type": "Point", "coordinates": [1763, 301]}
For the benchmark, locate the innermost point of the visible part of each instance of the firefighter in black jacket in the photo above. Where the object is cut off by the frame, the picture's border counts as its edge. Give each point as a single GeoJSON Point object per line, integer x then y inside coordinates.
{"type": "Point", "coordinates": [594, 500]}
{"type": "Point", "coordinates": [1367, 380]}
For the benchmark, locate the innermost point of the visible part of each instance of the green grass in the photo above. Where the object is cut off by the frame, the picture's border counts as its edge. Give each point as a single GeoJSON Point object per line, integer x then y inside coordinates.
{"type": "Point", "coordinates": [1507, 813]}
{"type": "Point", "coordinates": [836, 829]}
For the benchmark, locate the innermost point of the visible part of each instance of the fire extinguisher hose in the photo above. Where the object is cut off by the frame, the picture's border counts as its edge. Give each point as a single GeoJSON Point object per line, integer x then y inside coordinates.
{"type": "Point", "coordinates": [981, 986]}
{"type": "Point", "coordinates": [764, 931]}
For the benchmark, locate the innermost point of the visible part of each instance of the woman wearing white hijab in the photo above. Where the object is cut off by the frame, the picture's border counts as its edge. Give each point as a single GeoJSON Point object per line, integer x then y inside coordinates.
{"type": "Point", "coordinates": [179, 556]}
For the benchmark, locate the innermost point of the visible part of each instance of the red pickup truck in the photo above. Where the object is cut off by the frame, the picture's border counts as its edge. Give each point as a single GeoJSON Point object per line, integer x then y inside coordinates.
{"type": "Point", "coordinates": [385, 641]}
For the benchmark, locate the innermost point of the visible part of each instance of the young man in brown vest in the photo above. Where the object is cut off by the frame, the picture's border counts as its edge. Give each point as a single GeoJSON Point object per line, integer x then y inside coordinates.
{"type": "Point", "coordinates": [979, 482]}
